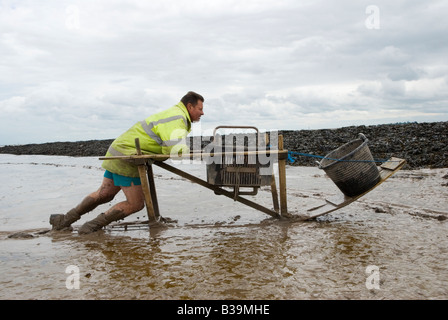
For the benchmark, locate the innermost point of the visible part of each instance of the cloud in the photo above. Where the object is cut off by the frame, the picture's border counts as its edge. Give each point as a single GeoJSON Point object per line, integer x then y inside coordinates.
{"type": "Point", "coordinates": [77, 70]}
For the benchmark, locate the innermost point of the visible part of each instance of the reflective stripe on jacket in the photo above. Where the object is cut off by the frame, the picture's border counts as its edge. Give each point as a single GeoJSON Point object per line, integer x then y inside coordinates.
{"type": "Point", "coordinates": [161, 133]}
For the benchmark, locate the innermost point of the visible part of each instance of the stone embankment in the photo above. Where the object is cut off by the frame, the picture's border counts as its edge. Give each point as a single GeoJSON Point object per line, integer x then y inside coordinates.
{"type": "Point", "coordinates": [423, 145]}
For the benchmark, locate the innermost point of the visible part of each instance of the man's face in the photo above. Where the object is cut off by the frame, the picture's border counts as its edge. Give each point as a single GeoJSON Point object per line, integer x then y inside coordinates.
{"type": "Point", "coordinates": [195, 111]}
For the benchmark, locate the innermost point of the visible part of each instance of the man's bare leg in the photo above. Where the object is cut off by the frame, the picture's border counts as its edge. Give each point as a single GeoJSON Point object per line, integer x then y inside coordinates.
{"type": "Point", "coordinates": [134, 202]}
{"type": "Point", "coordinates": [104, 194]}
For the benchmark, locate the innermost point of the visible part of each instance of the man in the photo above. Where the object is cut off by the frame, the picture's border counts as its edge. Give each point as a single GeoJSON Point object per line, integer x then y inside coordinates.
{"type": "Point", "coordinates": [161, 133]}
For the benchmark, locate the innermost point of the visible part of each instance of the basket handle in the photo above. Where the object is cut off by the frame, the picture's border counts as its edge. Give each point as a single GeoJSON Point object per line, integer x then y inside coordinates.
{"type": "Point", "coordinates": [239, 127]}
{"type": "Point", "coordinates": [362, 137]}
{"type": "Point", "coordinates": [319, 164]}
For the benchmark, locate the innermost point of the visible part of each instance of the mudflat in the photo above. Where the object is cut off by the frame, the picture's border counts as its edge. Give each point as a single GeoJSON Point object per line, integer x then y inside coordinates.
{"type": "Point", "coordinates": [390, 244]}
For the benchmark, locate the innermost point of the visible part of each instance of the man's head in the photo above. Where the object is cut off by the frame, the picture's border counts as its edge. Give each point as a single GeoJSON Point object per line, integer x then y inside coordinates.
{"type": "Point", "coordinates": [194, 104]}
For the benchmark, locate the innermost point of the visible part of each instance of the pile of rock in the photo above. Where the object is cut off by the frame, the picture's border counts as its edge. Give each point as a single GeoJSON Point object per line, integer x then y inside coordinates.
{"type": "Point", "coordinates": [90, 148]}
{"type": "Point", "coordinates": [423, 145]}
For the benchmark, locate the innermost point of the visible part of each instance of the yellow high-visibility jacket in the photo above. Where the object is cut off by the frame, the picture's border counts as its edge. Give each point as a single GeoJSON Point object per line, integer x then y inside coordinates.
{"type": "Point", "coordinates": [161, 133]}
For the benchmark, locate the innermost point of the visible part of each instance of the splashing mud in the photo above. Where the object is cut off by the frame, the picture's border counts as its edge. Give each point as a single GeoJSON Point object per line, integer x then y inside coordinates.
{"type": "Point", "coordinates": [215, 248]}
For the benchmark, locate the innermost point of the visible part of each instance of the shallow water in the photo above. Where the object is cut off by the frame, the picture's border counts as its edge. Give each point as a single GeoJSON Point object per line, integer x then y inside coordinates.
{"type": "Point", "coordinates": [219, 249]}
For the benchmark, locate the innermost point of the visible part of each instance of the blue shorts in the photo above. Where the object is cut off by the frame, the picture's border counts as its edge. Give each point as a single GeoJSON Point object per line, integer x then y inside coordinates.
{"type": "Point", "coordinates": [122, 181]}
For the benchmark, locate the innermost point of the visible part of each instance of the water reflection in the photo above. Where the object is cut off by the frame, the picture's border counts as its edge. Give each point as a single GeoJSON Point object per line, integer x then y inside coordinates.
{"type": "Point", "coordinates": [324, 259]}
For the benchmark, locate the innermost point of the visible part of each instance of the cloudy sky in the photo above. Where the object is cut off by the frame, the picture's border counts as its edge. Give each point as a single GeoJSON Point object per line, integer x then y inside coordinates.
{"type": "Point", "coordinates": [80, 70]}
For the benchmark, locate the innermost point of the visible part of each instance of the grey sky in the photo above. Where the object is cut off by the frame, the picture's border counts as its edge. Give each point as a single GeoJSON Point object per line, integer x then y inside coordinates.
{"type": "Point", "coordinates": [78, 70]}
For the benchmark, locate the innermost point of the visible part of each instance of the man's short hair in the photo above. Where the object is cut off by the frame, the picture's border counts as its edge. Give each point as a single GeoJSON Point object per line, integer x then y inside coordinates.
{"type": "Point", "coordinates": [191, 97]}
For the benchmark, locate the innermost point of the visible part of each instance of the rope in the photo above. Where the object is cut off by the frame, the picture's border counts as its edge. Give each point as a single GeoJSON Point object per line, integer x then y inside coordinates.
{"type": "Point", "coordinates": [291, 159]}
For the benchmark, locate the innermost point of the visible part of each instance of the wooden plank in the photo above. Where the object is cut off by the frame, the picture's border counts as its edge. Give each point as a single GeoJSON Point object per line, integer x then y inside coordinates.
{"type": "Point", "coordinates": [282, 179]}
{"type": "Point", "coordinates": [152, 188]}
{"type": "Point", "coordinates": [241, 169]}
{"type": "Point", "coordinates": [282, 154]}
{"type": "Point", "coordinates": [145, 186]}
{"type": "Point", "coordinates": [392, 164]}
{"type": "Point", "coordinates": [273, 183]}
{"type": "Point", "coordinates": [274, 194]}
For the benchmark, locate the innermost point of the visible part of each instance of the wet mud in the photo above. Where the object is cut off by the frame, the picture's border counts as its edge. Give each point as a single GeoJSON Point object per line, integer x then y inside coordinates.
{"type": "Point", "coordinates": [215, 248]}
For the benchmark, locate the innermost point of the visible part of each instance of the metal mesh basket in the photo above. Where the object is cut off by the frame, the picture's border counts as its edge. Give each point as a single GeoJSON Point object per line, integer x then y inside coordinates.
{"type": "Point", "coordinates": [237, 170]}
{"type": "Point", "coordinates": [352, 167]}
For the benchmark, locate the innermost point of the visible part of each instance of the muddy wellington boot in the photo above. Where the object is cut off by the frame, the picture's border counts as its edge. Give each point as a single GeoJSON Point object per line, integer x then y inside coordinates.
{"type": "Point", "coordinates": [64, 221]}
{"type": "Point", "coordinates": [101, 221]}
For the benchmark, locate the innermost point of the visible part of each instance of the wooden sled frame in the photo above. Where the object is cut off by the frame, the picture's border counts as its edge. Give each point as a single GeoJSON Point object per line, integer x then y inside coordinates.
{"type": "Point", "coordinates": [145, 162]}
{"type": "Point", "coordinates": [387, 169]}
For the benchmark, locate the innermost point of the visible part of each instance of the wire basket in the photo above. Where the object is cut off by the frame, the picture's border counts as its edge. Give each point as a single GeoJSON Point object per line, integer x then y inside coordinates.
{"type": "Point", "coordinates": [352, 167]}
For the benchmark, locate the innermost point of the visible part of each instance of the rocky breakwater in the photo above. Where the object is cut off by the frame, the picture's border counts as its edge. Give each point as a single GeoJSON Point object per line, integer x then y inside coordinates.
{"type": "Point", "coordinates": [423, 145]}
{"type": "Point", "coordinates": [90, 148]}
